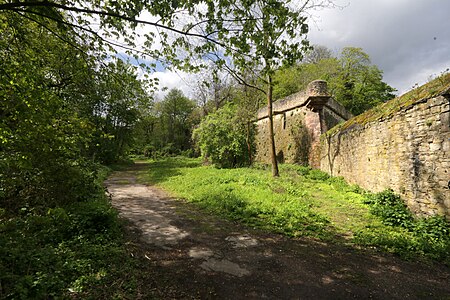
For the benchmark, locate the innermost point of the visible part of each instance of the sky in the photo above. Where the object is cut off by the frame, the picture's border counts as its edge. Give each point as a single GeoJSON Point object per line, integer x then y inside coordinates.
{"type": "Point", "coordinates": [409, 40]}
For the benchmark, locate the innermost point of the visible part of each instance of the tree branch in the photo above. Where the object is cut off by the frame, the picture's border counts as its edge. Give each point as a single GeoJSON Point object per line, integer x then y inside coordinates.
{"type": "Point", "coordinates": [15, 5]}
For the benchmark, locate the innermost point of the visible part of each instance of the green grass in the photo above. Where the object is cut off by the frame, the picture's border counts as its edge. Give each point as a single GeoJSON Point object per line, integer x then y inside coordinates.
{"type": "Point", "coordinates": [302, 202]}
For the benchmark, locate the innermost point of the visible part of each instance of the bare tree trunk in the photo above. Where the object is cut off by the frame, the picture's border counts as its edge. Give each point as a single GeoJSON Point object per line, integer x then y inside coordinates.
{"type": "Point", "coordinates": [273, 154]}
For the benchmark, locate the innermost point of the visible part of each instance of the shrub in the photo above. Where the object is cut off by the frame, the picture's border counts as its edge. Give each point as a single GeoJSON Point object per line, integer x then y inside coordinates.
{"type": "Point", "coordinates": [64, 251]}
{"type": "Point", "coordinates": [429, 237]}
{"type": "Point", "coordinates": [390, 208]}
{"type": "Point", "coordinates": [223, 138]}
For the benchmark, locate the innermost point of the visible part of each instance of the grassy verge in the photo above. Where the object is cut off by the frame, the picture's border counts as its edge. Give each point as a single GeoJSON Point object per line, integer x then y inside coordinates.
{"type": "Point", "coordinates": [302, 202]}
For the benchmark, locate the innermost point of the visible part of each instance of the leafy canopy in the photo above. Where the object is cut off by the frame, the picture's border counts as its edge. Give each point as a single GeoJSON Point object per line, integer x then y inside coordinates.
{"type": "Point", "coordinates": [352, 79]}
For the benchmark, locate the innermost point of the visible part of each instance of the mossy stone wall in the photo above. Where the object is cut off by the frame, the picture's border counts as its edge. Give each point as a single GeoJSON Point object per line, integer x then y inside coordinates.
{"type": "Point", "coordinates": [299, 120]}
{"type": "Point", "coordinates": [295, 132]}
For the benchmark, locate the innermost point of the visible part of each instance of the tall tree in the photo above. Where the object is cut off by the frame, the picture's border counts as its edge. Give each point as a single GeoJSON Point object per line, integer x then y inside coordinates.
{"type": "Point", "coordinates": [122, 99]}
{"type": "Point", "coordinates": [213, 88]}
{"type": "Point", "coordinates": [175, 111]}
{"type": "Point", "coordinates": [352, 79]}
{"type": "Point", "coordinates": [265, 34]}
{"type": "Point", "coordinates": [256, 35]}
{"type": "Point", "coordinates": [56, 100]}
{"type": "Point", "coordinates": [359, 85]}
{"type": "Point", "coordinates": [317, 53]}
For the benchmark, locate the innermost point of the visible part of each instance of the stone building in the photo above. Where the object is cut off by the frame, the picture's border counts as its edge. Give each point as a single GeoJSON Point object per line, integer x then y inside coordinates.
{"type": "Point", "coordinates": [299, 120]}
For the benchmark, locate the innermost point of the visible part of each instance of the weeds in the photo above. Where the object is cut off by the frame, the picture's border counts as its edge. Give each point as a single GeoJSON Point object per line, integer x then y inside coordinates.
{"type": "Point", "coordinates": [405, 234]}
{"type": "Point", "coordinates": [70, 251]}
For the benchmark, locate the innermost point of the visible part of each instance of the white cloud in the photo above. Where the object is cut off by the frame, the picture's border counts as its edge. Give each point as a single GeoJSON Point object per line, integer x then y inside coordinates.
{"type": "Point", "coordinates": [408, 40]}
{"type": "Point", "coordinates": [170, 80]}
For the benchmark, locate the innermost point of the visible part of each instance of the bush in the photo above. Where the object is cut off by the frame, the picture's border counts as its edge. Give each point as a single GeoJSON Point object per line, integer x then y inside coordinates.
{"type": "Point", "coordinates": [390, 208]}
{"type": "Point", "coordinates": [223, 138]}
{"type": "Point", "coordinates": [429, 237]}
{"type": "Point", "coordinates": [64, 251]}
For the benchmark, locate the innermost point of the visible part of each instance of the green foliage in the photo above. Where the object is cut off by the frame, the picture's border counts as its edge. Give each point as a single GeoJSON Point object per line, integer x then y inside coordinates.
{"type": "Point", "coordinates": [390, 208]}
{"type": "Point", "coordinates": [167, 128]}
{"type": "Point", "coordinates": [385, 110]}
{"type": "Point", "coordinates": [429, 237]}
{"type": "Point", "coordinates": [116, 113]}
{"type": "Point", "coordinates": [352, 79]}
{"type": "Point", "coordinates": [359, 85]}
{"type": "Point", "coordinates": [291, 79]}
{"type": "Point", "coordinates": [264, 35]}
{"type": "Point", "coordinates": [63, 110]}
{"type": "Point", "coordinates": [65, 252]}
{"type": "Point", "coordinates": [270, 34]}
{"type": "Point", "coordinates": [224, 139]}
{"type": "Point", "coordinates": [249, 195]}
{"type": "Point", "coordinates": [54, 127]}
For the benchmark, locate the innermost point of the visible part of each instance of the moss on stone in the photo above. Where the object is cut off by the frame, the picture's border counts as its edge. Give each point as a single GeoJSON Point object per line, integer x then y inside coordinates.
{"type": "Point", "coordinates": [436, 87]}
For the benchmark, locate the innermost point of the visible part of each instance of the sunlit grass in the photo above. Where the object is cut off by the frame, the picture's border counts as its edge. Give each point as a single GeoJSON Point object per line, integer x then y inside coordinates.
{"type": "Point", "coordinates": [301, 202]}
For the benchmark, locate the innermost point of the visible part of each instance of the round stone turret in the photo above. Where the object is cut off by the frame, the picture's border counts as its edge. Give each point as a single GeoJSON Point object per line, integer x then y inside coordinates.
{"type": "Point", "coordinates": [317, 88]}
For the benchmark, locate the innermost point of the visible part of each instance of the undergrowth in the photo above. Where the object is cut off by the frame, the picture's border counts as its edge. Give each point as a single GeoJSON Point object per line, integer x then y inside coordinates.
{"type": "Point", "coordinates": [71, 251]}
{"type": "Point", "coordinates": [405, 234]}
{"type": "Point", "coordinates": [304, 202]}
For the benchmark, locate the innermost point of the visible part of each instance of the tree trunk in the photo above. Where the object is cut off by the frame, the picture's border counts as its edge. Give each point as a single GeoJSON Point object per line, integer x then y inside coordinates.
{"type": "Point", "coordinates": [273, 154]}
{"type": "Point", "coordinates": [249, 144]}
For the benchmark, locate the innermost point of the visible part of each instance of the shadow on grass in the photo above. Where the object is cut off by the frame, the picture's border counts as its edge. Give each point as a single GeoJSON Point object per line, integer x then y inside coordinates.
{"type": "Point", "coordinates": [284, 220]}
{"type": "Point", "coordinates": [164, 168]}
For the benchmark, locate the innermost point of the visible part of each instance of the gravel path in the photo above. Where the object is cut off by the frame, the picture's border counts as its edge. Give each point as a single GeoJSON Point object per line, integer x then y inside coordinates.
{"type": "Point", "coordinates": [191, 254]}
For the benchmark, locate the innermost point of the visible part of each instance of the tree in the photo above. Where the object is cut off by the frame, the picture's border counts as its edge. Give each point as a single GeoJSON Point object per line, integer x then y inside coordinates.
{"type": "Point", "coordinates": [122, 99]}
{"type": "Point", "coordinates": [317, 53]}
{"type": "Point", "coordinates": [213, 89]}
{"type": "Point", "coordinates": [175, 111]}
{"type": "Point", "coordinates": [265, 35]}
{"type": "Point", "coordinates": [359, 85]}
{"type": "Point", "coordinates": [352, 79]}
{"type": "Point", "coordinates": [166, 129]}
{"type": "Point", "coordinates": [222, 137]}
{"type": "Point", "coordinates": [295, 78]}
{"type": "Point", "coordinates": [175, 26]}
{"type": "Point", "coordinates": [58, 105]}
{"type": "Point", "coordinates": [256, 35]}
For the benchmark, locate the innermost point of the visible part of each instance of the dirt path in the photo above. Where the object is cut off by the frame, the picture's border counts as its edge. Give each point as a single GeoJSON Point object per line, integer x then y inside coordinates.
{"type": "Point", "coordinates": [190, 254]}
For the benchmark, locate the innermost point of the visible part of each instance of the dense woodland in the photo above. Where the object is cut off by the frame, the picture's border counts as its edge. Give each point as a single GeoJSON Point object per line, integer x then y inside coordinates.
{"type": "Point", "coordinates": [71, 106]}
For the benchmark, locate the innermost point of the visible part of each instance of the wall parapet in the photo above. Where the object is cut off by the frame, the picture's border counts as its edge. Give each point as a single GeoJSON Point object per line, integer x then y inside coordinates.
{"type": "Point", "coordinates": [299, 119]}
{"type": "Point", "coordinates": [315, 96]}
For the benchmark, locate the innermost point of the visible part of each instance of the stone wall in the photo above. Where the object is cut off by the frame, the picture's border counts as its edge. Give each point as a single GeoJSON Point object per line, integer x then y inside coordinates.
{"type": "Point", "coordinates": [408, 152]}
{"type": "Point", "coordinates": [299, 120]}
